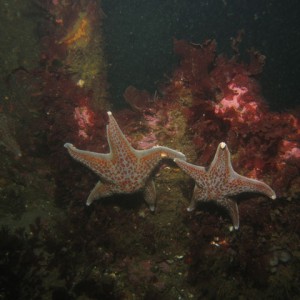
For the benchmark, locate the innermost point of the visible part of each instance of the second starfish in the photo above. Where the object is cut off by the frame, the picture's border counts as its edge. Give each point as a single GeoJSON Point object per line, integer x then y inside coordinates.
{"type": "Point", "coordinates": [220, 182]}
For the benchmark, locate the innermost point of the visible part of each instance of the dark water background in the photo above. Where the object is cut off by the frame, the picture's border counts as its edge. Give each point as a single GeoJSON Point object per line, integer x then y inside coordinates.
{"type": "Point", "coordinates": [139, 37]}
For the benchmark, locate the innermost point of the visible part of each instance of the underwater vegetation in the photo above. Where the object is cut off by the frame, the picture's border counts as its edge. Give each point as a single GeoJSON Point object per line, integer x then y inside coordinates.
{"type": "Point", "coordinates": [221, 100]}
{"type": "Point", "coordinates": [117, 248]}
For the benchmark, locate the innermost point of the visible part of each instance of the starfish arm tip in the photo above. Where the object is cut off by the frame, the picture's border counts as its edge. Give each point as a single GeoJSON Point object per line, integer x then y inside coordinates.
{"type": "Point", "coordinates": [67, 145]}
{"type": "Point", "coordinates": [152, 208]}
{"type": "Point", "coordinates": [182, 156]}
{"type": "Point", "coordinates": [189, 209]}
{"type": "Point", "coordinates": [268, 191]}
{"type": "Point", "coordinates": [109, 113]}
{"type": "Point", "coordinates": [222, 145]}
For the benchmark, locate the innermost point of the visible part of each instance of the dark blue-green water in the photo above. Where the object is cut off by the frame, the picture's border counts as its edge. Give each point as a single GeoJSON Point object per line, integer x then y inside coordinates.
{"type": "Point", "coordinates": [139, 37]}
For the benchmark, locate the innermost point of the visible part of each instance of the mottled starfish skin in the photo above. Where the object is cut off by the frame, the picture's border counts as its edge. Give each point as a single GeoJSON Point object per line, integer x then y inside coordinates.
{"type": "Point", "coordinates": [220, 182]}
{"type": "Point", "coordinates": [124, 170]}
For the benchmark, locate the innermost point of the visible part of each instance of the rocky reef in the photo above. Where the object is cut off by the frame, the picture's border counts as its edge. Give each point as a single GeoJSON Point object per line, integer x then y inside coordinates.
{"type": "Point", "coordinates": [55, 247]}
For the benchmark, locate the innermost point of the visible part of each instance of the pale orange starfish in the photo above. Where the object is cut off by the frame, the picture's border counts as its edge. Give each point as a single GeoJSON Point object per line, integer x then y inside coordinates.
{"type": "Point", "coordinates": [220, 182]}
{"type": "Point", "coordinates": [124, 169]}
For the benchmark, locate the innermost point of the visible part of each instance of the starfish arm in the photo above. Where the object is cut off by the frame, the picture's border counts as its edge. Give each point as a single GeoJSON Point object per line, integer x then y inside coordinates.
{"type": "Point", "coordinates": [150, 194]}
{"type": "Point", "coordinates": [97, 162]}
{"type": "Point", "coordinates": [148, 159]}
{"type": "Point", "coordinates": [195, 198]}
{"type": "Point", "coordinates": [196, 172]}
{"type": "Point", "coordinates": [240, 184]}
{"type": "Point", "coordinates": [119, 145]}
{"type": "Point", "coordinates": [100, 190]}
{"type": "Point", "coordinates": [232, 208]}
{"type": "Point", "coordinates": [221, 165]}
{"type": "Point", "coordinates": [199, 194]}
{"type": "Point", "coordinates": [166, 152]}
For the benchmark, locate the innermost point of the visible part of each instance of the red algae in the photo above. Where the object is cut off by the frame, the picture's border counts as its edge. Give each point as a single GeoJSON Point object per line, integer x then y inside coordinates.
{"type": "Point", "coordinates": [225, 103]}
{"type": "Point", "coordinates": [219, 98]}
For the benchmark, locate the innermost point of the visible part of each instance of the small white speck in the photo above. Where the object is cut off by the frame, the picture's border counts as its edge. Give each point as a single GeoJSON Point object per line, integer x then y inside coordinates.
{"type": "Point", "coordinates": [222, 145]}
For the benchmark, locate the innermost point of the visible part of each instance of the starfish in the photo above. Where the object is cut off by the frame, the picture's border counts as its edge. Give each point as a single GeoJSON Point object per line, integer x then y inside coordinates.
{"type": "Point", "coordinates": [220, 182]}
{"type": "Point", "coordinates": [123, 170]}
